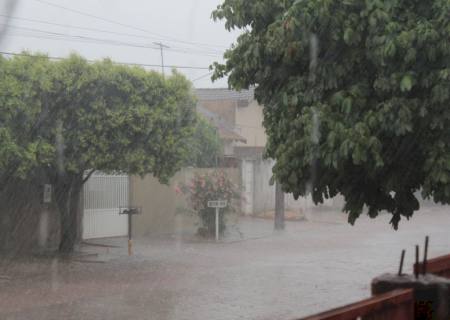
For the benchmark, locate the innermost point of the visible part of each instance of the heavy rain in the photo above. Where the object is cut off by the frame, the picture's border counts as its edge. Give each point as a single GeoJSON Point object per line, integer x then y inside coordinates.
{"type": "Point", "coordinates": [224, 159]}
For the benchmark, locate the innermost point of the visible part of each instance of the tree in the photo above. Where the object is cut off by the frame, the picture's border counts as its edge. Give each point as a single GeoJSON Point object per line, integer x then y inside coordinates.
{"type": "Point", "coordinates": [205, 145]}
{"type": "Point", "coordinates": [355, 93]}
{"type": "Point", "coordinates": [103, 116]}
{"type": "Point", "coordinates": [22, 148]}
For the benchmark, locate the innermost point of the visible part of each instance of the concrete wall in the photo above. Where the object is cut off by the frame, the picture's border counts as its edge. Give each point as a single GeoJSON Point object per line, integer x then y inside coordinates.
{"type": "Point", "coordinates": [163, 211]}
{"type": "Point", "coordinates": [248, 120]}
{"type": "Point", "coordinates": [264, 193]}
{"type": "Point", "coordinates": [26, 225]}
{"type": "Point", "coordinates": [249, 124]}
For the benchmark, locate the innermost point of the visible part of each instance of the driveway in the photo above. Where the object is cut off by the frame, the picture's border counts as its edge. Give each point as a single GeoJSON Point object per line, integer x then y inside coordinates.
{"type": "Point", "coordinates": [254, 274]}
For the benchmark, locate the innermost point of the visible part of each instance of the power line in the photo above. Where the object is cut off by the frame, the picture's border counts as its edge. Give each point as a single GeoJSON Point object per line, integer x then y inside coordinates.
{"type": "Point", "coordinates": [203, 76]}
{"type": "Point", "coordinates": [122, 24]}
{"type": "Point", "coordinates": [116, 62]}
{"type": "Point", "coordinates": [79, 38]}
{"type": "Point", "coordinates": [78, 27]}
{"type": "Point", "coordinates": [213, 51]}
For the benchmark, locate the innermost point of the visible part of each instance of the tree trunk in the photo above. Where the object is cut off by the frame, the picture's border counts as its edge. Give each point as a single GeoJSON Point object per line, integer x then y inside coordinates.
{"type": "Point", "coordinates": [279, 207]}
{"type": "Point", "coordinates": [68, 201]}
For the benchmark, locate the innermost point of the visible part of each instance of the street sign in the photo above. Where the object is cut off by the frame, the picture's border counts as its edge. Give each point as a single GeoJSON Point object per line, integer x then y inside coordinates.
{"type": "Point", "coordinates": [217, 204]}
{"type": "Point", "coordinates": [130, 211]}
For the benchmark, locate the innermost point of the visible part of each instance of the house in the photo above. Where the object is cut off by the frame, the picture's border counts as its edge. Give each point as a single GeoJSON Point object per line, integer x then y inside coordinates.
{"type": "Point", "coordinates": [239, 120]}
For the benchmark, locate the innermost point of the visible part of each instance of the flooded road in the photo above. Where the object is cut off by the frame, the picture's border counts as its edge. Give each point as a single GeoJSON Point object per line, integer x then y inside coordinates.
{"type": "Point", "coordinates": [311, 266]}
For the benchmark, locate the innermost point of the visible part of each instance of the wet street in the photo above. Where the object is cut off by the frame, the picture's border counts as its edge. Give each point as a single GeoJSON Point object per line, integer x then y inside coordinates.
{"type": "Point", "coordinates": [311, 266]}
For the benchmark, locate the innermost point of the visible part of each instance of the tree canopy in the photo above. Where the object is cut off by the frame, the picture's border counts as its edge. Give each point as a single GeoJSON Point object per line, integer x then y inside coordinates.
{"type": "Point", "coordinates": [356, 96]}
{"type": "Point", "coordinates": [205, 145]}
{"type": "Point", "coordinates": [70, 118]}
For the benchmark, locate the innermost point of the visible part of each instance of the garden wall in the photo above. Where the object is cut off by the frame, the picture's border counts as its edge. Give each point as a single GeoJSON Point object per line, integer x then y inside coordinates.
{"type": "Point", "coordinates": [26, 225]}
{"type": "Point", "coordinates": [164, 212]}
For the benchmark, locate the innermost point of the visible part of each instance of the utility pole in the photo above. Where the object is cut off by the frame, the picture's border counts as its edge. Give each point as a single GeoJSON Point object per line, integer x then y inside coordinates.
{"type": "Point", "coordinates": [161, 48]}
{"type": "Point", "coordinates": [279, 207]}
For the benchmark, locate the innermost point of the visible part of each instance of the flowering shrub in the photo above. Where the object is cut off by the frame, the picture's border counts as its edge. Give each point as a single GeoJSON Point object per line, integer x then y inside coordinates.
{"type": "Point", "coordinates": [207, 187]}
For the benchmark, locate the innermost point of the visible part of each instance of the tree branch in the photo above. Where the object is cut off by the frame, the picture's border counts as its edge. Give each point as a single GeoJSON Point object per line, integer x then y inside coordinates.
{"type": "Point", "coordinates": [88, 176]}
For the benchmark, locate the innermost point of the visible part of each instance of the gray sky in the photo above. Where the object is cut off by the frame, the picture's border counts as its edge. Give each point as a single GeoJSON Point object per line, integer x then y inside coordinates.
{"type": "Point", "coordinates": [184, 25]}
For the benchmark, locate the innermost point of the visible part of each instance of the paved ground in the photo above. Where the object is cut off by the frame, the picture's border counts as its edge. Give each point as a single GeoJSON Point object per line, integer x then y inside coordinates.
{"type": "Point", "coordinates": [310, 267]}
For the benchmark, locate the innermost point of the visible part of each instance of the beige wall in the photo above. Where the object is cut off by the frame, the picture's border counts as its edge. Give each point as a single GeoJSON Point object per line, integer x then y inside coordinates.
{"type": "Point", "coordinates": [162, 208]}
{"type": "Point", "coordinates": [249, 123]}
{"type": "Point", "coordinates": [226, 109]}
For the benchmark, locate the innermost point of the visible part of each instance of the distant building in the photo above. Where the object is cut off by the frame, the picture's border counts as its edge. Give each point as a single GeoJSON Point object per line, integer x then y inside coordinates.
{"type": "Point", "coordinates": [238, 119]}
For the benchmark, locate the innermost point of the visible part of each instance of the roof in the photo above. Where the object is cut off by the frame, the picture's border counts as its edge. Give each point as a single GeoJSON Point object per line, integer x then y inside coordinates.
{"type": "Point", "coordinates": [225, 130]}
{"type": "Point", "coordinates": [210, 94]}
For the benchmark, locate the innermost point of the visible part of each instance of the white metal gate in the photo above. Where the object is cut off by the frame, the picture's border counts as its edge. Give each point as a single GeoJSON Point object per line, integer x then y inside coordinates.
{"type": "Point", "coordinates": [102, 196]}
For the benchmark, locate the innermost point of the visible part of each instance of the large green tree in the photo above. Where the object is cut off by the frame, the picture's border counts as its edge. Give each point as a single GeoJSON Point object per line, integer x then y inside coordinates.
{"type": "Point", "coordinates": [21, 117]}
{"type": "Point", "coordinates": [356, 96]}
{"type": "Point", "coordinates": [96, 116]}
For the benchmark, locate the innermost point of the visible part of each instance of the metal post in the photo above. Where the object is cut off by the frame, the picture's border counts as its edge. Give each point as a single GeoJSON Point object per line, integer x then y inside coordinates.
{"type": "Point", "coordinates": [416, 269]}
{"type": "Point", "coordinates": [217, 224]}
{"type": "Point", "coordinates": [425, 255]}
{"type": "Point", "coordinates": [400, 268]}
{"type": "Point", "coordinates": [130, 242]}
{"type": "Point", "coordinates": [161, 48]}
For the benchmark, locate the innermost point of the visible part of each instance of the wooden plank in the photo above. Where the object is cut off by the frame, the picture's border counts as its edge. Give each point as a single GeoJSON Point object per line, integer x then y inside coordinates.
{"type": "Point", "coordinates": [439, 266]}
{"type": "Point", "coordinates": [397, 304]}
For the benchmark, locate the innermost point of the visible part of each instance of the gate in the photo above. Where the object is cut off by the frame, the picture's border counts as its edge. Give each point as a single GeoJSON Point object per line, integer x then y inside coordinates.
{"type": "Point", "coordinates": [103, 195]}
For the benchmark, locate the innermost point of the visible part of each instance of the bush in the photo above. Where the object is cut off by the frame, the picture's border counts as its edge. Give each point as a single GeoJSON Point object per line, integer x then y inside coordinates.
{"type": "Point", "coordinates": [207, 187]}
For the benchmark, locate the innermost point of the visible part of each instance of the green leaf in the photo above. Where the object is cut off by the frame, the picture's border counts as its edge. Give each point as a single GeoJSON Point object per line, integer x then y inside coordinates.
{"type": "Point", "coordinates": [406, 84]}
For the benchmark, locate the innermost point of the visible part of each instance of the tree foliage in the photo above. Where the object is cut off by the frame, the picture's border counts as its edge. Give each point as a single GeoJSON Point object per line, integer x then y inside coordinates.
{"type": "Point", "coordinates": [205, 145]}
{"type": "Point", "coordinates": [70, 118]}
{"type": "Point", "coordinates": [21, 146]}
{"type": "Point", "coordinates": [356, 96]}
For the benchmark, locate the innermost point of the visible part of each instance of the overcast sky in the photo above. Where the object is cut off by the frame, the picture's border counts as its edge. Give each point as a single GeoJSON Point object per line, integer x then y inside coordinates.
{"type": "Point", "coordinates": [185, 26]}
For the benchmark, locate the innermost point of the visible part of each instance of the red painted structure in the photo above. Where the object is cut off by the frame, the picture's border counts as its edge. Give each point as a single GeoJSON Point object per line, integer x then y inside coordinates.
{"type": "Point", "coordinates": [397, 304]}
{"type": "Point", "coordinates": [439, 266]}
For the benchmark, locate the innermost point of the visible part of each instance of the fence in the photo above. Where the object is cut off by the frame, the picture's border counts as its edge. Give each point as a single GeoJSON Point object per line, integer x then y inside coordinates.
{"type": "Point", "coordinates": [439, 266]}
{"type": "Point", "coordinates": [102, 196]}
{"type": "Point", "coordinates": [398, 304]}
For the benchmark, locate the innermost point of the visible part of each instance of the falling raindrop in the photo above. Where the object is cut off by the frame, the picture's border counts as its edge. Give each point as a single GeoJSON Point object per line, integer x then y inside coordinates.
{"type": "Point", "coordinates": [59, 147]}
{"type": "Point", "coordinates": [43, 228]}
{"type": "Point", "coordinates": [315, 132]}
{"type": "Point", "coordinates": [313, 56]}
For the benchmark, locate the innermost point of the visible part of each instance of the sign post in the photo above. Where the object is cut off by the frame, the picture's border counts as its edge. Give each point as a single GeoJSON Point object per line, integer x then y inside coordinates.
{"type": "Point", "coordinates": [217, 204]}
{"type": "Point", "coordinates": [130, 211]}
